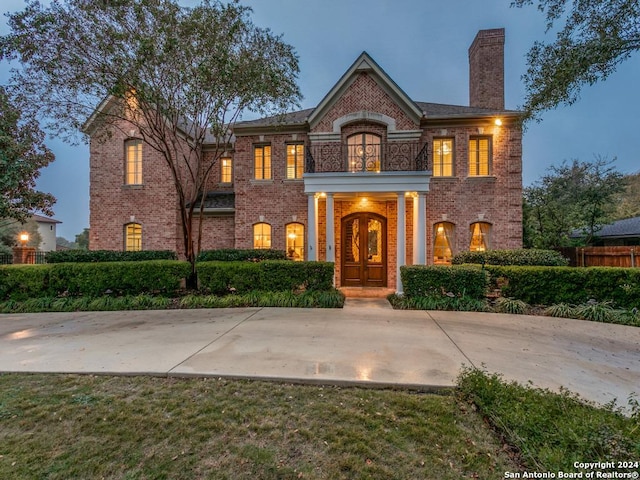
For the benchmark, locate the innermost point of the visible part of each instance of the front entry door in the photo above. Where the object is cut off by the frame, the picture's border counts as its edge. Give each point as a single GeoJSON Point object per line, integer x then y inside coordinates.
{"type": "Point", "coordinates": [364, 250]}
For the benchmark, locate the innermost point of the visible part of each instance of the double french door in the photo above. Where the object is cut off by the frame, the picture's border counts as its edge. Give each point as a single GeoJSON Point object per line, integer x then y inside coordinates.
{"type": "Point", "coordinates": [364, 250]}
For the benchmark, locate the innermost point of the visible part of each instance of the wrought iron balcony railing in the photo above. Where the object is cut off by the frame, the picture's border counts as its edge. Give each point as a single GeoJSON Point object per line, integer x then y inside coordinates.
{"type": "Point", "coordinates": [380, 157]}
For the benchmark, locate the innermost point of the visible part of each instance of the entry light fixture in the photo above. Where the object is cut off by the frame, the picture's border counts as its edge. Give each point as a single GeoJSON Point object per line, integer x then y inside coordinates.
{"type": "Point", "coordinates": [498, 122]}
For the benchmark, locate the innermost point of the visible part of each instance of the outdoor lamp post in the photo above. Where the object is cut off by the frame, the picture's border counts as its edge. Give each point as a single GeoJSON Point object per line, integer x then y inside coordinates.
{"type": "Point", "coordinates": [24, 238]}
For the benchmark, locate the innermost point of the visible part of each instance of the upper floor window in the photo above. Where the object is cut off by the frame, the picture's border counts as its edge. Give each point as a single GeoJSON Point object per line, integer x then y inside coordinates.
{"type": "Point", "coordinates": [262, 162]}
{"type": "Point", "coordinates": [226, 170]}
{"type": "Point", "coordinates": [262, 235]}
{"type": "Point", "coordinates": [363, 152]}
{"type": "Point", "coordinates": [133, 237]}
{"type": "Point", "coordinates": [295, 160]}
{"type": "Point", "coordinates": [442, 242]}
{"type": "Point", "coordinates": [479, 236]}
{"type": "Point", "coordinates": [479, 156]}
{"type": "Point", "coordinates": [443, 157]}
{"type": "Point", "coordinates": [133, 162]}
{"type": "Point", "coordinates": [295, 241]}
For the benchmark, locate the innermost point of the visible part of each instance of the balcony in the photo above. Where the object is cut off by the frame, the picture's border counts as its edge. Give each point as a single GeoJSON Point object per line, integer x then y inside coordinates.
{"type": "Point", "coordinates": [375, 158]}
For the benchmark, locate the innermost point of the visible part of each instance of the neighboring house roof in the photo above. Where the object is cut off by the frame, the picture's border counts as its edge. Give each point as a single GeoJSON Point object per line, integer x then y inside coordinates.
{"type": "Point", "coordinates": [43, 219]}
{"type": "Point", "coordinates": [629, 227]}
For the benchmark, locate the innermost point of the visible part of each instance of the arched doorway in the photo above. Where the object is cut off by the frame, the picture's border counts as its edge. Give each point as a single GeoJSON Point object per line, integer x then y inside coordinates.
{"type": "Point", "coordinates": [364, 250]}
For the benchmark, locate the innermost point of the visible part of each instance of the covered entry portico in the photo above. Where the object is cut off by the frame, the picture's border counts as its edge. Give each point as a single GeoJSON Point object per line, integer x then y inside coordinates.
{"type": "Point", "coordinates": [395, 186]}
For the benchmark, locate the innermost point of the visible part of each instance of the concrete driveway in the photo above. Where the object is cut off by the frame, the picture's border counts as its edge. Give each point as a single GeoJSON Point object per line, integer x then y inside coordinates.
{"type": "Point", "coordinates": [364, 343]}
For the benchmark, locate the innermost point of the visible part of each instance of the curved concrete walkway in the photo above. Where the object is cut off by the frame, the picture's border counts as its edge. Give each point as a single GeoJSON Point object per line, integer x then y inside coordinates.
{"type": "Point", "coordinates": [365, 343]}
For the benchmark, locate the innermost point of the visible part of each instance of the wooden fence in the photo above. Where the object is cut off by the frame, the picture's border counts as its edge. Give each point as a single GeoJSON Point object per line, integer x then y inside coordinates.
{"type": "Point", "coordinates": [602, 256]}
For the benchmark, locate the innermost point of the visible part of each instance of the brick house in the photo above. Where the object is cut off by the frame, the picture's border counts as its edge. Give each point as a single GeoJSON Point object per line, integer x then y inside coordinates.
{"type": "Point", "coordinates": [369, 179]}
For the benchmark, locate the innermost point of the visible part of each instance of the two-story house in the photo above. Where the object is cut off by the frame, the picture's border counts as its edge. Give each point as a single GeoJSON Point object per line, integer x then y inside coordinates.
{"type": "Point", "coordinates": [369, 179]}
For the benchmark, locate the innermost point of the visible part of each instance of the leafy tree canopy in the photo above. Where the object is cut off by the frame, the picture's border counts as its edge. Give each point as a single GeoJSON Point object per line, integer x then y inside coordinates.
{"type": "Point", "coordinates": [597, 36]}
{"type": "Point", "coordinates": [575, 195]}
{"type": "Point", "coordinates": [178, 77]}
{"type": "Point", "coordinates": [22, 155]}
{"type": "Point", "coordinates": [11, 228]}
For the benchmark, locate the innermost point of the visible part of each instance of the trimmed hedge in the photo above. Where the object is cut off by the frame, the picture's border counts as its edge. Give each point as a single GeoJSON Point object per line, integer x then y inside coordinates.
{"type": "Point", "coordinates": [438, 280]}
{"type": "Point", "coordinates": [20, 282]}
{"type": "Point", "coordinates": [522, 256]}
{"type": "Point", "coordinates": [554, 285]}
{"type": "Point", "coordinates": [271, 275]}
{"type": "Point", "coordinates": [239, 255]}
{"type": "Point", "coordinates": [85, 256]}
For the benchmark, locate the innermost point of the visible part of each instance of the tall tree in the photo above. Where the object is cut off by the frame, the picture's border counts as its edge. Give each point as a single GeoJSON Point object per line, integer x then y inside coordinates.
{"type": "Point", "coordinates": [22, 155]}
{"type": "Point", "coordinates": [628, 202]}
{"type": "Point", "coordinates": [597, 36]}
{"type": "Point", "coordinates": [576, 195]}
{"type": "Point", "coordinates": [178, 75]}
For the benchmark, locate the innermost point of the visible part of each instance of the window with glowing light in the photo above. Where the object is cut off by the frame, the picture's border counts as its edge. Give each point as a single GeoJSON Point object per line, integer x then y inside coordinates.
{"type": "Point", "coordinates": [479, 236]}
{"type": "Point", "coordinates": [262, 236]}
{"type": "Point", "coordinates": [295, 161]}
{"type": "Point", "coordinates": [443, 157]}
{"type": "Point", "coordinates": [295, 241]}
{"type": "Point", "coordinates": [226, 172]}
{"type": "Point", "coordinates": [363, 152]}
{"type": "Point", "coordinates": [133, 162]}
{"type": "Point", "coordinates": [442, 242]}
{"type": "Point", "coordinates": [133, 237]}
{"type": "Point", "coordinates": [262, 162]}
{"type": "Point", "coordinates": [479, 156]}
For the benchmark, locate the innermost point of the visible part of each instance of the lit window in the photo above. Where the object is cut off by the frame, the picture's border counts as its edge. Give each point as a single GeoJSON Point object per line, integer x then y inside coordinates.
{"type": "Point", "coordinates": [133, 162]}
{"type": "Point", "coordinates": [363, 152]}
{"type": "Point", "coordinates": [479, 156]}
{"type": "Point", "coordinates": [443, 238]}
{"type": "Point", "coordinates": [442, 157]}
{"type": "Point", "coordinates": [479, 236]}
{"type": "Point", "coordinates": [295, 241]}
{"type": "Point", "coordinates": [226, 174]}
{"type": "Point", "coordinates": [262, 162]}
{"type": "Point", "coordinates": [133, 237]}
{"type": "Point", "coordinates": [262, 235]}
{"type": "Point", "coordinates": [295, 160]}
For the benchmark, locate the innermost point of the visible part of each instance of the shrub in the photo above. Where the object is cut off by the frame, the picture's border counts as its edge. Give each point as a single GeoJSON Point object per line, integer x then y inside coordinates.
{"type": "Point", "coordinates": [274, 276]}
{"type": "Point", "coordinates": [86, 256]}
{"type": "Point", "coordinates": [458, 281]}
{"type": "Point", "coordinates": [552, 285]}
{"type": "Point", "coordinates": [520, 256]}
{"type": "Point", "coordinates": [461, 304]}
{"type": "Point", "coordinates": [20, 282]}
{"type": "Point", "coordinates": [511, 305]}
{"type": "Point", "coordinates": [239, 255]}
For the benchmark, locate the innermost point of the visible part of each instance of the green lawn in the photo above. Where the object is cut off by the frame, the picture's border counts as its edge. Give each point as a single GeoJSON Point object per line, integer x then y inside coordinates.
{"type": "Point", "coordinates": [85, 427]}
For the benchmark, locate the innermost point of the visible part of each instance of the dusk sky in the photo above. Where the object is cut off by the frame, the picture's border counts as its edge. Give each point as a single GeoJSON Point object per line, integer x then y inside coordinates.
{"type": "Point", "coordinates": [422, 45]}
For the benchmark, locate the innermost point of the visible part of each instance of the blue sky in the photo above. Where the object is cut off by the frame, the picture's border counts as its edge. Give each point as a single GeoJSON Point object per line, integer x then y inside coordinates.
{"type": "Point", "coordinates": [422, 45]}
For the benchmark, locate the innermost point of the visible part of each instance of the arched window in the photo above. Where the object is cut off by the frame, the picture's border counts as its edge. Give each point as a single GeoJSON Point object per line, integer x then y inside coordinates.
{"type": "Point", "coordinates": [262, 236]}
{"type": "Point", "coordinates": [295, 241]}
{"type": "Point", "coordinates": [133, 237]}
{"type": "Point", "coordinates": [479, 236]}
{"type": "Point", "coordinates": [363, 150]}
{"type": "Point", "coordinates": [133, 162]}
{"type": "Point", "coordinates": [442, 242]}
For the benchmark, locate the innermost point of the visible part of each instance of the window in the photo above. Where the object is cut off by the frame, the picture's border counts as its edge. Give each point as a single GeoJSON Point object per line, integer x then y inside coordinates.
{"type": "Point", "coordinates": [262, 162]}
{"type": "Point", "coordinates": [295, 241]}
{"type": "Point", "coordinates": [133, 237]}
{"type": "Point", "coordinates": [479, 156]}
{"type": "Point", "coordinates": [363, 152]}
{"type": "Point", "coordinates": [443, 157]}
{"type": "Point", "coordinates": [295, 160]}
{"type": "Point", "coordinates": [443, 237]}
{"type": "Point", "coordinates": [226, 172]}
{"type": "Point", "coordinates": [133, 162]}
{"type": "Point", "coordinates": [262, 235]}
{"type": "Point", "coordinates": [479, 236]}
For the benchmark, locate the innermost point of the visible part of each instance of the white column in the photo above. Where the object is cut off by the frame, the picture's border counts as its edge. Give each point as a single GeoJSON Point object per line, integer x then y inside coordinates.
{"type": "Point", "coordinates": [416, 238]}
{"type": "Point", "coordinates": [312, 228]}
{"type": "Point", "coordinates": [400, 241]}
{"type": "Point", "coordinates": [331, 236]}
{"type": "Point", "coordinates": [420, 229]}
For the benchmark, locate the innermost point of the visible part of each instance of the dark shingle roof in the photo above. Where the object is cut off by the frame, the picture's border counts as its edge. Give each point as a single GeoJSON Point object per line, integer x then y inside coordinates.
{"type": "Point", "coordinates": [629, 227]}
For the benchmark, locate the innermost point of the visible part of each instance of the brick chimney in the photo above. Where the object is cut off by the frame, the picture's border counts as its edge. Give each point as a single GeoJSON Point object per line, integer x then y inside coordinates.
{"type": "Point", "coordinates": [486, 70]}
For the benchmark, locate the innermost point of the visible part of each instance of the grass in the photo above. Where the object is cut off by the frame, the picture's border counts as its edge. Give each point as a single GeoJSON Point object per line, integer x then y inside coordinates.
{"type": "Point", "coordinates": [65, 426]}
{"type": "Point", "coordinates": [552, 431]}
